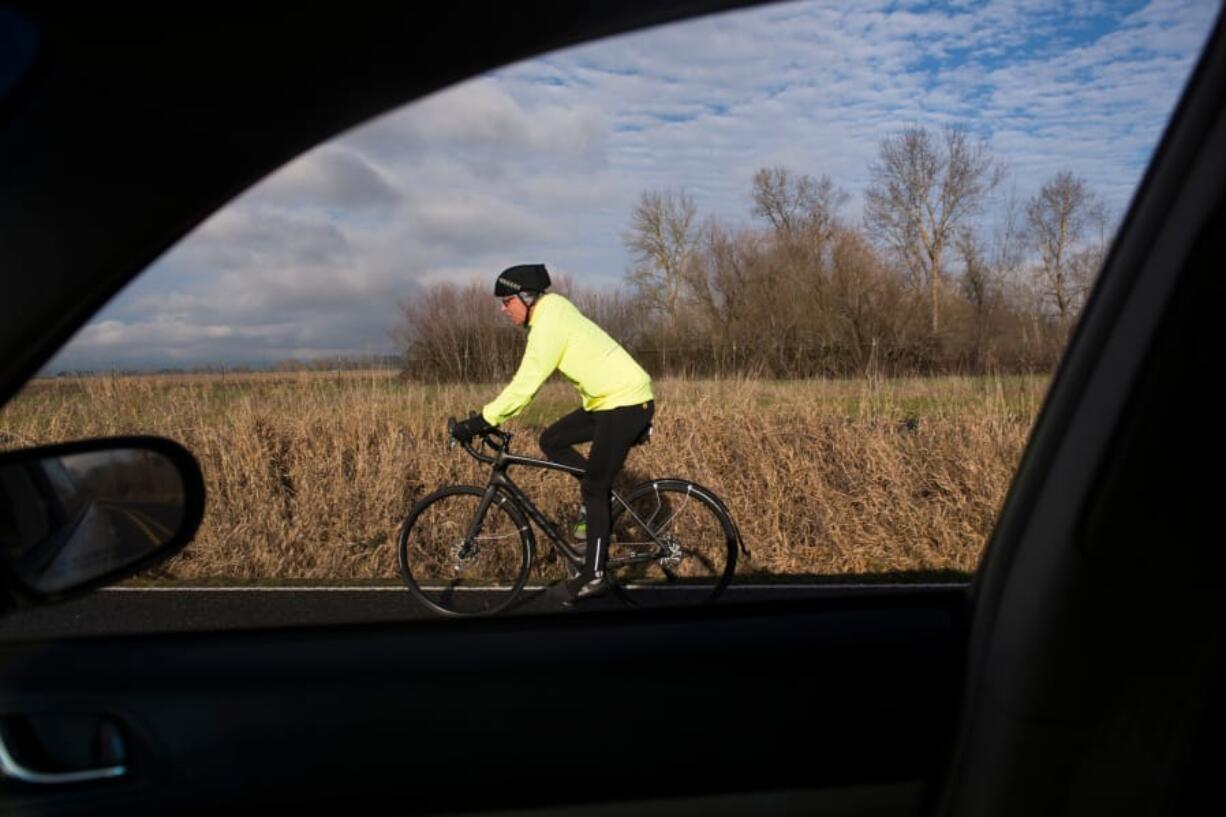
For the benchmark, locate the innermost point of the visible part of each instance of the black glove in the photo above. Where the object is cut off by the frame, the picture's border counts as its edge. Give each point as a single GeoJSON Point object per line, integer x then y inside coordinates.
{"type": "Point", "coordinates": [465, 430]}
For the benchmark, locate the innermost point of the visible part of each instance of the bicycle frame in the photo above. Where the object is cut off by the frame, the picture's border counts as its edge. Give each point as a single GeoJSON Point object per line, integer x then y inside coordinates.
{"type": "Point", "coordinates": [500, 480]}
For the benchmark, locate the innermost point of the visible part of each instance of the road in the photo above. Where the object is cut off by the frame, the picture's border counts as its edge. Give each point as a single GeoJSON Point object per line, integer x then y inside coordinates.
{"type": "Point", "coordinates": [118, 611]}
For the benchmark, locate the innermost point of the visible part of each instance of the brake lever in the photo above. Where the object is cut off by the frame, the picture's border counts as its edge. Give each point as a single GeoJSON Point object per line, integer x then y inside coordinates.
{"type": "Point", "coordinates": [499, 441]}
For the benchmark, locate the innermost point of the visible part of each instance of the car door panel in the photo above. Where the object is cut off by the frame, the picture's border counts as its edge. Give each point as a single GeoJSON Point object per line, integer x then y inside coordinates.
{"type": "Point", "coordinates": [821, 696]}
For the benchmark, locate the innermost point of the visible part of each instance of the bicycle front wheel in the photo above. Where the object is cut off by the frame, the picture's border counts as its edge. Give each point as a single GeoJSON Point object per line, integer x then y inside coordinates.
{"type": "Point", "coordinates": [672, 544]}
{"type": "Point", "coordinates": [453, 574]}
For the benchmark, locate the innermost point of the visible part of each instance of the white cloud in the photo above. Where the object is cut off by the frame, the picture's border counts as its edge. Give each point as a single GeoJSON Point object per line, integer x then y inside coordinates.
{"type": "Point", "coordinates": [332, 178]}
{"type": "Point", "coordinates": [480, 121]}
{"type": "Point", "coordinates": [544, 160]}
{"type": "Point", "coordinates": [478, 221]}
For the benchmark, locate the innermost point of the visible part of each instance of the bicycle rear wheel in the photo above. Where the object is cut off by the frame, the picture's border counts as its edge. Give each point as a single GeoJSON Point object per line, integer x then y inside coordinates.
{"type": "Point", "coordinates": [678, 547]}
{"type": "Point", "coordinates": [455, 577]}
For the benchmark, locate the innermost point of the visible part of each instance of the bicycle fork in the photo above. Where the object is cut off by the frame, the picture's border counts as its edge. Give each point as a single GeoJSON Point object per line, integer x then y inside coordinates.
{"type": "Point", "coordinates": [468, 547]}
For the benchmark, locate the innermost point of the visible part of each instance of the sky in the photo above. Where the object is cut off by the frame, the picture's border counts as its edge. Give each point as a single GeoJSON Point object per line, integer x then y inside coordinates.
{"type": "Point", "coordinates": [543, 160]}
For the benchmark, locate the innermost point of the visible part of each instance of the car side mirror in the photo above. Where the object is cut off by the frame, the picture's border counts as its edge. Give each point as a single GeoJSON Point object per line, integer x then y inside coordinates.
{"type": "Point", "coordinates": [77, 516]}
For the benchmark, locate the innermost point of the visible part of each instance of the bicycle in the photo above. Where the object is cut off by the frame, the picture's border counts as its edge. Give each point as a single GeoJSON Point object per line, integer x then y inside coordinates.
{"type": "Point", "coordinates": [467, 551]}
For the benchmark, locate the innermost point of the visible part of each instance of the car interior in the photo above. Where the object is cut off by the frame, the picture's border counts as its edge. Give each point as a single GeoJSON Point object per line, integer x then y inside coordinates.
{"type": "Point", "coordinates": [1081, 672]}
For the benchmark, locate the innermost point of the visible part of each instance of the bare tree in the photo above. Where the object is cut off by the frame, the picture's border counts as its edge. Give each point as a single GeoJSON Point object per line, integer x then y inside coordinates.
{"type": "Point", "coordinates": [922, 190]}
{"type": "Point", "coordinates": [977, 276]}
{"type": "Point", "coordinates": [448, 332]}
{"type": "Point", "coordinates": [865, 302]}
{"type": "Point", "coordinates": [1008, 255]}
{"type": "Point", "coordinates": [617, 314]}
{"type": "Point", "coordinates": [662, 239]}
{"type": "Point", "coordinates": [795, 204]}
{"type": "Point", "coordinates": [981, 289]}
{"type": "Point", "coordinates": [1058, 218]}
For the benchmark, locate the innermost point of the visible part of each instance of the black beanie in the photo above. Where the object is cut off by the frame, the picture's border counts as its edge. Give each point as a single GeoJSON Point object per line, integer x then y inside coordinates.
{"type": "Point", "coordinates": [525, 277]}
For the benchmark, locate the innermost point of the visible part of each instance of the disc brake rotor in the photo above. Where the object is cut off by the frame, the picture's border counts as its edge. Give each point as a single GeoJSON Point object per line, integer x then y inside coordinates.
{"type": "Point", "coordinates": [673, 549]}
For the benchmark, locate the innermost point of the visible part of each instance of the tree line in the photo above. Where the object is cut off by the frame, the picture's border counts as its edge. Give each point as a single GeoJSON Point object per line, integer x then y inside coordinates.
{"type": "Point", "coordinates": [917, 286]}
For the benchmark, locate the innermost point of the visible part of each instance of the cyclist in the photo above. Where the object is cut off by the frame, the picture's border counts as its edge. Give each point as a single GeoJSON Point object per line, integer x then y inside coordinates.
{"type": "Point", "coordinates": [617, 402]}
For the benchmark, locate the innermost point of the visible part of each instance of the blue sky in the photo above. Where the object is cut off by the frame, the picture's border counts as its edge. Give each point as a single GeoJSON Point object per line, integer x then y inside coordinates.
{"type": "Point", "coordinates": [543, 160]}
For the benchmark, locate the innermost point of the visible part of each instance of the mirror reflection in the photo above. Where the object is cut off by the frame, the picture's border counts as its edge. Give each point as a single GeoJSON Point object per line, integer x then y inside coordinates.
{"type": "Point", "coordinates": [70, 519]}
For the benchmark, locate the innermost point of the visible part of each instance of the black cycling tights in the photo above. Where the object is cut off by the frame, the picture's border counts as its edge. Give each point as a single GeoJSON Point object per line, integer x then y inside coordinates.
{"type": "Point", "coordinates": [611, 433]}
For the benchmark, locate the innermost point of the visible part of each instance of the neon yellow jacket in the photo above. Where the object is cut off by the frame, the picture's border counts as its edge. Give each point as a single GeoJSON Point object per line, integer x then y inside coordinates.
{"type": "Point", "coordinates": [561, 338]}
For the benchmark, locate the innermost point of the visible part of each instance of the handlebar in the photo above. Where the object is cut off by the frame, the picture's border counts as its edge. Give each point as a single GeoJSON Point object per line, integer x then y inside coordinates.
{"type": "Point", "coordinates": [503, 438]}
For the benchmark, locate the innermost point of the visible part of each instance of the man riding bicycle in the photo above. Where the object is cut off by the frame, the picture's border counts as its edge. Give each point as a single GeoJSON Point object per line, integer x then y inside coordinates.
{"type": "Point", "coordinates": [617, 402]}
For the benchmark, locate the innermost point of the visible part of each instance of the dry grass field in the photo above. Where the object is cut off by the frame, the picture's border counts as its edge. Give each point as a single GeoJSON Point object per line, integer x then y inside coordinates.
{"type": "Point", "coordinates": [310, 474]}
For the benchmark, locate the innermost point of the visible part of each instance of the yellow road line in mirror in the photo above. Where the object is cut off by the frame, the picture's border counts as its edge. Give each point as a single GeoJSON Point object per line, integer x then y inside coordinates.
{"type": "Point", "coordinates": [145, 529]}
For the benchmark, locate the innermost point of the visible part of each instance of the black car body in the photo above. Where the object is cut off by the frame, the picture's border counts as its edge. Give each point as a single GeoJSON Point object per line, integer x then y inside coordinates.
{"type": "Point", "coordinates": [1081, 672]}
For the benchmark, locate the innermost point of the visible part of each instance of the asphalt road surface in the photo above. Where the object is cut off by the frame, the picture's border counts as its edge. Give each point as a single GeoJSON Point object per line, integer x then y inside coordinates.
{"type": "Point", "coordinates": [117, 611]}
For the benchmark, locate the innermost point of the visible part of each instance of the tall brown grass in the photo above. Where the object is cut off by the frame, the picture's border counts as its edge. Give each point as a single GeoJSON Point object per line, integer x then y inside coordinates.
{"type": "Point", "coordinates": [310, 474]}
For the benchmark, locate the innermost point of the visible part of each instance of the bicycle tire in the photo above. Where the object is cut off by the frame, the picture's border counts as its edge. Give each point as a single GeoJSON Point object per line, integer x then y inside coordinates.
{"type": "Point", "coordinates": [449, 582]}
{"type": "Point", "coordinates": [695, 523]}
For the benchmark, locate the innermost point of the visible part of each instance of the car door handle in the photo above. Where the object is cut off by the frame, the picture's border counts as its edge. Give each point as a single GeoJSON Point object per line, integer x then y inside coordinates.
{"type": "Point", "coordinates": [104, 732]}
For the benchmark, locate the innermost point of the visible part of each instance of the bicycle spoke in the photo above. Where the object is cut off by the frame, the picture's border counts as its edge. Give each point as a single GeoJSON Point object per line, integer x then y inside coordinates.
{"type": "Point", "coordinates": [671, 545]}
{"type": "Point", "coordinates": [663, 526]}
{"type": "Point", "coordinates": [456, 575]}
{"type": "Point", "coordinates": [703, 558]}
